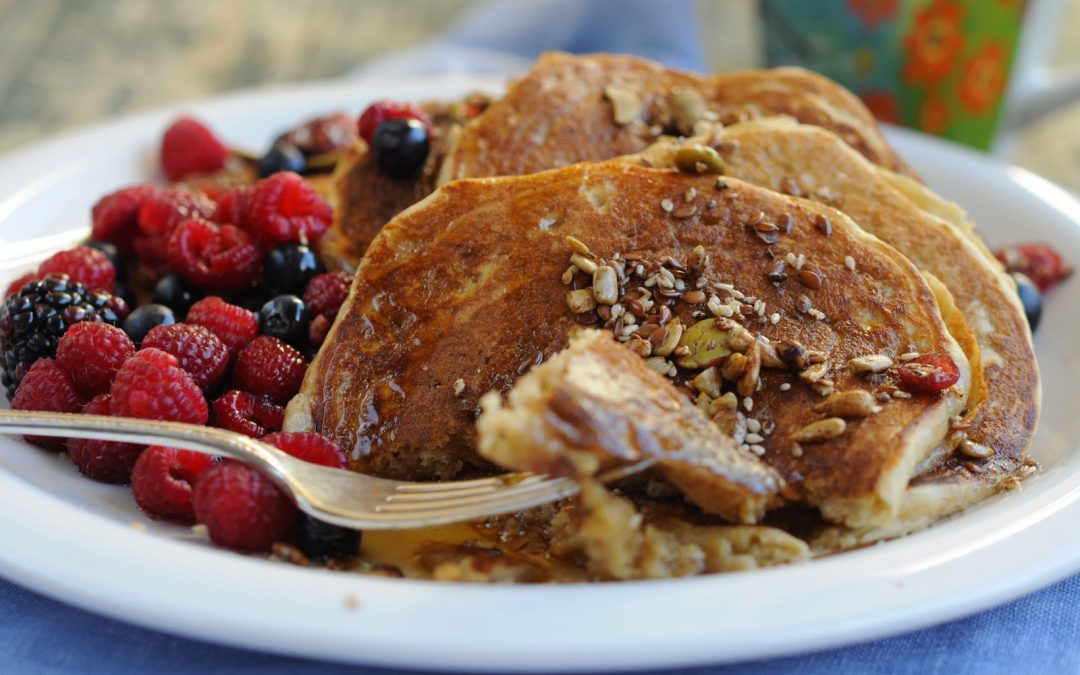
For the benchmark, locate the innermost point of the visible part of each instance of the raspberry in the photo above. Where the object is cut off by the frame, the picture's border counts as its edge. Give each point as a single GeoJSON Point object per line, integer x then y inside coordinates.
{"type": "Point", "coordinates": [235, 325]}
{"type": "Point", "coordinates": [326, 293]}
{"type": "Point", "coordinates": [92, 353]}
{"type": "Point", "coordinates": [160, 214]}
{"type": "Point", "coordinates": [188, 147]}
{"type": "Point", "coordinates": [201, 353]}
{"type": "Point", "coordinates": [162, 480]}
{"type": "Point", "coordinates": [324, 134]}
{"type": "Point", "coordinates": [380, 111]}
{"type": "Point", "coordinates": [318, 329]}
{"type": "Point", "coordinates": [213, 257]}
{"type": "Point", "coordinates": [151, 385]}
{"type": "Point", "coordinates": [87, 266]}
{"type": "Point", "coordinates": [241, 508]}
{"type": "Point", "coordinates": [163, 211]}
{"type": "Point", "coordinates": [247, 414]}
{"type": "Point", "coordinates": [116, 216]}
{"type": "Point", "coordinates": [46, 387]}
{"type": "Point", "coordinates": [285, 208]}
{"type": "Point", "coordinates": [103, 461]}
{"type": "Point", "coordinates": [269, 367]}
{"type": "Point", "coordinates": [1038, 261]}
{"type": "Point", "coordinates": [310, 447]}
{"type": "Point", "coordinates": [232, 207]}
{"type": "Point", "coordinates": [18, 284]}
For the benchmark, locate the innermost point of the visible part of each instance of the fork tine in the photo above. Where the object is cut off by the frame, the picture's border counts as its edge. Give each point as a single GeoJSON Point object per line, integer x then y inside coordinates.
{"type": "Point", "coordinates": [492, 498]}
{"type": "Point", "coordinates": [505, 480]}
{"type": "Point", "coordinates": [453, 490]}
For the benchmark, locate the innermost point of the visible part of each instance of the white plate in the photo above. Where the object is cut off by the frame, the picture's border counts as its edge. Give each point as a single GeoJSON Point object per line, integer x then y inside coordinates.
{"type": "Point", "coordinates": [70, 538]}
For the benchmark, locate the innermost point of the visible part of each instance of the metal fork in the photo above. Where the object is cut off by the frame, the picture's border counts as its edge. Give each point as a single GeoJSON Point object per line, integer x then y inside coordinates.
{"type": "Point", "coordinates": [341, 497]}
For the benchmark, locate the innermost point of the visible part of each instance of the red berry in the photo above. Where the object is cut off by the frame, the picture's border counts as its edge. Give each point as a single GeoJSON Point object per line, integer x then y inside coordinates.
{"type": "Point", "coordinates": [104, 461]}
{"type": "Point", "coordinates": [46, 387]}
{"type": "Point", "coordinates": [163, 211]}
{"type": "Point", "coordinates": [241, 508]}
{"type": "Point", "coordinates": [310, 447]}
{"type": "Point", "coordinates": [318, 329]}
{"type": "Point", "coordinates": [1038, 261]}
{"type": "Point", "coordinates": [189, 147]}
{"type": "Point", "coordinates": [928, 374]}
{"type": "Point", "coordinates": [285, 208]}
{"type": "Point", "coordinates": [151, 385]}
{"type": "Point", "coordinates": [16, 286]}
{"type": "Point", "coordinates": [325, 293]}
{"type": "Point", "coordinates": [324, 134]}
{"type": "Point", "coordinates": [232, 206]}
{"type": "Point", "coordinates": [269, 367]}
{"type": "Point", "coordinates": [116, 216]}
{"type": "Point", "coordinates": [247, 414]}
{"type": "Point", "coordinates": [212, 257]}
{"type": "Point", "coordinates": [162, 480]}
{"type": "Point", "coordinates": [88, 266]}
{"type": "Point", "coordinates": [92, 353]}
{"type": "Point", "coordinates": [235, 325]}
{"type": "Point", "coordinates": [380, 111]}
{"type": "Point", "coordinates": [201, 353]}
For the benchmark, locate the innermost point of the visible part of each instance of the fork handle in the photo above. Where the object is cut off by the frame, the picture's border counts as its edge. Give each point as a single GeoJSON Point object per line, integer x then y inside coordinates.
{"type": "Point", "coordinates": [207, 440]}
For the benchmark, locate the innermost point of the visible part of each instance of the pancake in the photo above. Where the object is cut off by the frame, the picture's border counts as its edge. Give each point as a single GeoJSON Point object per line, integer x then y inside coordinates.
{"type": "Point", "coordinates": [596, 405]}
{"type": "Point", "coordinates": [364, 197]}
{"type": "Point", "coordinates": [464, 292]}
{"type": "Point", "coordinates": [996, 429]}
{"type": "Point", "coordinates": [576, 108]}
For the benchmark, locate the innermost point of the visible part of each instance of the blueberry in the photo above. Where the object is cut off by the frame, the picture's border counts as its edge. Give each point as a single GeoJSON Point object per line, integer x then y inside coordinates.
{"type": "Point", "coordinates": [288, 268]}
{"type": "Point", "coordinates": [112, 253]}
{"type": "Point", "coordinates": [144, 318]}
{"type": "Point", "coordinates": [173, 292]}
{"type": "Point", "coordinates": [321, 541]}
{"type": "Point", "coordinates": [282, 157]}
{"type": "Point", "coordinates": [1030, 298]}
{"type": "Point", "coordinates": [400, 146]}
{"type": "Point", "coordinates": [286, 317]}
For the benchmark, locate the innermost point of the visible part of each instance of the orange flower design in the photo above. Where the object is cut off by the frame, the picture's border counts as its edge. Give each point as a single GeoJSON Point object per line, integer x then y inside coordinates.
{"type": "Point", "coordinates": [874, 12]}
{"type": "Point", "coordinates": [934, 42]}
{"type": "Point", "coordinates": [883, 105]}
{"type": "Point", "coordinates": [983, 80]}
{"type": "Point", "coordinates": [934, 115]}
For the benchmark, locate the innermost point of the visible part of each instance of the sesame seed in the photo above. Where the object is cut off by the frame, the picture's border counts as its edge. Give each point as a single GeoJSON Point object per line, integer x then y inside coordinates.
{"type": "Point", "coordinates": [909, 356]}
{"type": "Point", "coordinates": [667, 205]}
{"type": "Point", "coordinates": [784, 386]}
{"type": "Point", "coordinates": [849, 262]}
{"type": "Point", "coordinates": [757, 449]}
{"type": "Point", "coordinates": [748, 403]}
{"type": "Point", "coordinates": [690, 195]}
{"type": "Point", "coordinates": [459, 386]}
{"type": "Point", "coordinates": [754, 438]}
{"type": "Point", "coordinates": [796, 450]}
{"type": "Point", "coordinates": [753, 426]}
{"type": "Point", "coordinates": [774, 318]}
{"type": "Point", "coordinates": [816, 313]}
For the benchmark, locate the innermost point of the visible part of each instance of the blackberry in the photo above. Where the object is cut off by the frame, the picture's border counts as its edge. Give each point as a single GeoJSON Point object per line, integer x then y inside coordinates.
{"type": "Point", "coordinates": [32, 322]}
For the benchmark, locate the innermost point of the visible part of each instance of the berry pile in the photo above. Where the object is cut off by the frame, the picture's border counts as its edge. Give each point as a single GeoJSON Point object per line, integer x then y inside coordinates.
{"type": "Point", "coordinates": [232, 303]}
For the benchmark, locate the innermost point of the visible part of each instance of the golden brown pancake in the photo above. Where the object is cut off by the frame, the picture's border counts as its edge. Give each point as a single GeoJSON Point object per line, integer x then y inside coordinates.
{"type": "Point", "coordinates": [596, 405]}
{"type": "Point", "coordinates": [570, 108]}
{"type": "Point", "coordinates": [463, 293]}
{"type": "Point", "coordinates": [1003, 407]}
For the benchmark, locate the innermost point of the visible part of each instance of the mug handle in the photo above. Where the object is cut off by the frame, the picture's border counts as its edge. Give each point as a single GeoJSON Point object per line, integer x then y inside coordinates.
{"type": "Point", "coordinates": [1036, 89]}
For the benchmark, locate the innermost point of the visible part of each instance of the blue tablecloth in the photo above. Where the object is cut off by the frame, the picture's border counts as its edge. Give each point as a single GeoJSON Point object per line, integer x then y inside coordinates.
{"type": "Point", "coordinates": [1040, 633]}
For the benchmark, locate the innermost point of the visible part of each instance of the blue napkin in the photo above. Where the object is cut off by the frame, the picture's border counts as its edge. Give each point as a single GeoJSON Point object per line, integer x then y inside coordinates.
{"type": "Point", "coordinates": [1039, 633]}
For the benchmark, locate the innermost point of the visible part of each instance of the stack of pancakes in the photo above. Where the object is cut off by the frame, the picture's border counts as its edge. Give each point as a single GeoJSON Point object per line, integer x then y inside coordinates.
{"type": "Point", "coordinates": [722, 277]}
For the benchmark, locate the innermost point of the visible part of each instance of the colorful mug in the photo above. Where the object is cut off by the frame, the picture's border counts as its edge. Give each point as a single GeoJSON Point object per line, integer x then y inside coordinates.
{"type": "Point", "coordinates": [955, 68]}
